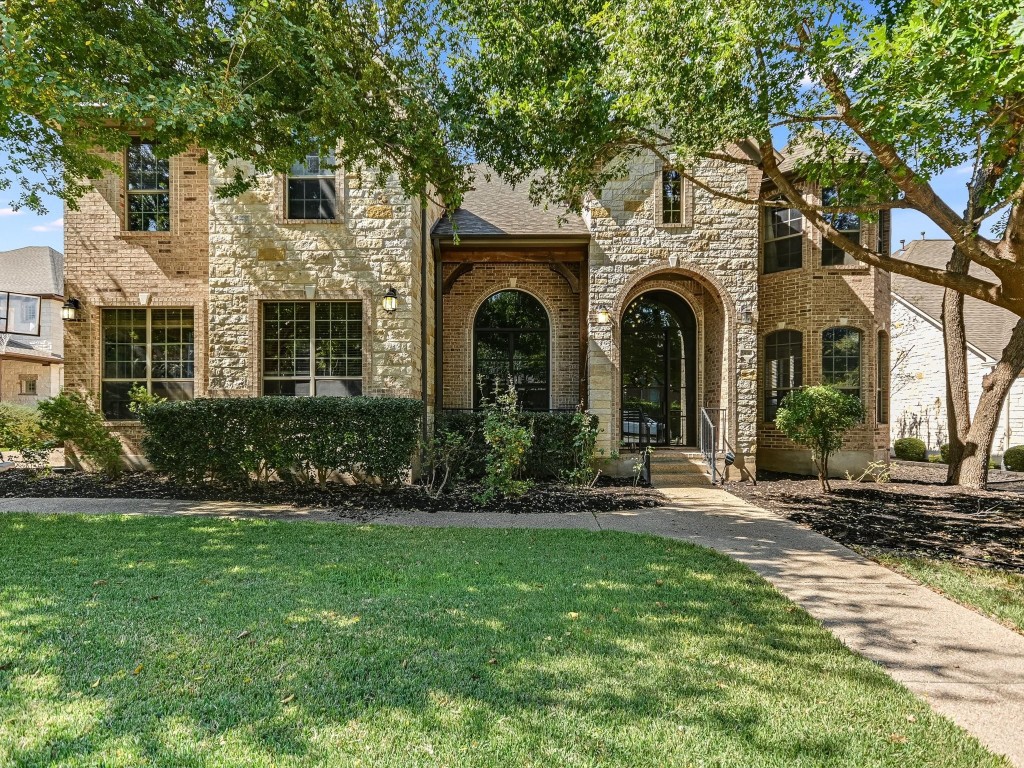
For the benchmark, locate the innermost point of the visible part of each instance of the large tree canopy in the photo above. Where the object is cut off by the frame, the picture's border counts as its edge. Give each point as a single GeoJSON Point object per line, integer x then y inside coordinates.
{"type": "Point", "coordinates": [265, 80]}
{"type": "Point", "coordinates": [917, 86]}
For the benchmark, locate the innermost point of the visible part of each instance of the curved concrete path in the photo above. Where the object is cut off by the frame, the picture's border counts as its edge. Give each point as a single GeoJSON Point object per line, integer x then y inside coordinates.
{"type": "Point", "coordinates": [966, 666]}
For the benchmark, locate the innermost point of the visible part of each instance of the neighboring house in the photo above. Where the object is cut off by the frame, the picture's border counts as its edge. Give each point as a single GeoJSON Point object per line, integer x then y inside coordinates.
{"type": "Point", "coordinates": [31, 330]}
{"type": "Point", "coordinates": [660, 308]}
{"type": "Point", "coordinates": [919, 355]}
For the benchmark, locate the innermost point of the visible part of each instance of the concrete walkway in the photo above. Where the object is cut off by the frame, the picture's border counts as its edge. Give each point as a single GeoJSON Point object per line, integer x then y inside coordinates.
{"type": "Point", "coordinates": [969, 668]}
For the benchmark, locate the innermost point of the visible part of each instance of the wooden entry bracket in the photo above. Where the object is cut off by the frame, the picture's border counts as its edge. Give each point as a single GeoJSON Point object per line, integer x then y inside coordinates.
{"type": "Point", "coordinates": [449, 282]}
{"type": "Point", "coordinates": [559, 268]}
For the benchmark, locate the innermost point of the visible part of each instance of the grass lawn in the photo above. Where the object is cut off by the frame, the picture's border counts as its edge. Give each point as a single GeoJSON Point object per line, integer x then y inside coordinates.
{"type": "Point", "coordinates": [189, 642]}
{"type": "Point", "coordinates": [995, 593]}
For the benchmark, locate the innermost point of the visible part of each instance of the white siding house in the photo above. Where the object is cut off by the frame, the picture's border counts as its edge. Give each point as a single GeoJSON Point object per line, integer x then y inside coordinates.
{"type": "Point", "coordinates": [918, 399]}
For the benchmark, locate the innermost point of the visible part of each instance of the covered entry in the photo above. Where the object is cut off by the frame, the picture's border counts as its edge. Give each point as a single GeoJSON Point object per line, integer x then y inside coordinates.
{"type": "Point", "coordinates": [659, 371]}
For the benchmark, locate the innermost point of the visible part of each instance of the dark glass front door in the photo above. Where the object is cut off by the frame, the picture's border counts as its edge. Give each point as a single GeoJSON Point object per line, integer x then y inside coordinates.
{"type": "Point", "coordinates": [659, 371]}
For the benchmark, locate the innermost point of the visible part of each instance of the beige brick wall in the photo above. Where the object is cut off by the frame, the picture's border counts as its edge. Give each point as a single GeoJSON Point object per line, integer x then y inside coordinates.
{"type": "Point", "coordinates": [460, 308]}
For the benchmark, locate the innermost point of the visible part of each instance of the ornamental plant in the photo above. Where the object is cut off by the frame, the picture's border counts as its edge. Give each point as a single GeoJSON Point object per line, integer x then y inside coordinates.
{"type": "Point", "coordinates": [71, 418]}
{"type": "Point", "coordinates": [21, 433]}
{"type": "Point", "coordinates": [508, 436]}
{"type": "Point", "coordinates": [818, 418]}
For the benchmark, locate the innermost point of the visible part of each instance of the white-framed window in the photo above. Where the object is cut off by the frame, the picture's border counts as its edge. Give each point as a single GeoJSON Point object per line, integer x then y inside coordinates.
{"type": "Point", "coordinates": [672, 198]}
{"type": "Point", "coordinates": [19, 313]}
{"type": "Point", "coordinates": [783, 239]}
{"type": "Point", "coordinates": [28, 385]}
{"type": "Point", "coordinates": [148, 188]}
{"type": "Point", "coordinates": [846, 222]}
{"type": "Point", "coordinates": [150, 346]}
{"type": "Point", "coordinates": [313, 348]}
{"type": "Point", "coordinates": [311, 191]}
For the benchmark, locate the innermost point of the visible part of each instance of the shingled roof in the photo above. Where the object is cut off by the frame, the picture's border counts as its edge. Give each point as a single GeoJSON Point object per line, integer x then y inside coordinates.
{"type": "Point", "coordinates": [36, 270]}
{"type": "Point", "coordinates": [494, 208]}
{"type": "Point", "coordinates": [988, 326]}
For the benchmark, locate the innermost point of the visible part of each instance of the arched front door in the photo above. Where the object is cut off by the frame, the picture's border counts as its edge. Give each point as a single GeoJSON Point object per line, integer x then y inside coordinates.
{"type": "Point", "coordinates": [659, 371]}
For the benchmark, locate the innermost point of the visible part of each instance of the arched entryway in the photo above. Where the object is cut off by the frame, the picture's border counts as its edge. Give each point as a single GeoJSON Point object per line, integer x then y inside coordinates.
{"type": "Point", "coordinates": [659, 370]}
{"type": "Point", "coordinates": [512, 340]}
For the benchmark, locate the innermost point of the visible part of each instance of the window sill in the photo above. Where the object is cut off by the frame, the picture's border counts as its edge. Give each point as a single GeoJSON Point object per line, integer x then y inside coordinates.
{"type": "Point", "coordinates": [131, 234]}
{"type": "Point", "coordinates": [855, 268]}
{"type": "Point", "coordinates": [311, 222]}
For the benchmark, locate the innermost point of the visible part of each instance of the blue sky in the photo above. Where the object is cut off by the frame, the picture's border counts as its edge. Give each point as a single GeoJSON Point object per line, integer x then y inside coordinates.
{"type": "Point", "coordinates": [21, 228]}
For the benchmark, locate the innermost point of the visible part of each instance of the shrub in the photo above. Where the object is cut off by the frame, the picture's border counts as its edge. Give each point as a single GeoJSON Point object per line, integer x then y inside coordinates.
{"type": "Point", "coordinates": [817, 418]}
{"type": "Point", "coordinates": [246, 440]}
{"type": "Point", "coordinates": [944, 453]}
{"type": "Point", "coordinates": [445, 455]}
{"type": "Point", "coordinates": [508, 435]}
{"type": "Point", "coordinates": [141, 398]}
{"type": "Point", "coordinates": [21, 432]}
{"type": "Point", "coordinates": [1013, 459]}
{"type": "Point", "coordinates": [910, 449]}
{"type": "Point", "coordinates": [70, 417]}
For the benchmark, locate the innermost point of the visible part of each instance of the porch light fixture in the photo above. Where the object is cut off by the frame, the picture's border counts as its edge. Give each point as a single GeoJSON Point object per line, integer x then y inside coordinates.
{"type": "Point", "coordinates": [71, 310]}
{"type": "Point", "coordinates": [390, 300]}
{"type": "Point", "coordinates": [603, 316]}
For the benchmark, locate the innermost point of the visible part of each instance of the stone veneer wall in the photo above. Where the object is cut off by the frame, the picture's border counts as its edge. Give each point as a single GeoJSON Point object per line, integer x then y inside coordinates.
{"type": "Point", "coordinates": [810, 300]}
{"type": "Point", "coordinates": [257, 255]}
{"type": "Point", "coordinates": [718, 255]}
{"type": "Point", "coordinates": [460, 308]}
{"type": "Point", "coordinates": [106, 265]}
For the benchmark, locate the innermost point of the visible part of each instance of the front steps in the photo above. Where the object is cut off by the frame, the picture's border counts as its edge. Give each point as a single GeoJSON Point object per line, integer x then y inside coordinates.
{"type": "Point", "coordinates": [678, 468]}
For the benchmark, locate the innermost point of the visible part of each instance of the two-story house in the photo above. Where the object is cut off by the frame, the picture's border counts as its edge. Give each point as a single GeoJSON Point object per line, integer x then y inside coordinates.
{"type": "Point", "coordinates": [31, 331]}
{"type": "Point", "coordinates": [661, 308]}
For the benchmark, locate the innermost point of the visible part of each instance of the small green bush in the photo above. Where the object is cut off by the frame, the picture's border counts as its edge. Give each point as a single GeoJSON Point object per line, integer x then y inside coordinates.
{"type": "Point", "coordinates": [508, 435]}
{"type": "Point", "coordinates": [910, 449]}
{"type": "Point", "coordinates": [944, 453]}
{"type": "Point", "coordinates": [1013, 459]}
{"type": "Point", "coordinates": [70, 417]}
{"type": "Point", "coordinates": [246, 440]}
{"type": "Point", "coordinates": [21, 432]}
{"type": "Point", "coordinates": [818, 418]}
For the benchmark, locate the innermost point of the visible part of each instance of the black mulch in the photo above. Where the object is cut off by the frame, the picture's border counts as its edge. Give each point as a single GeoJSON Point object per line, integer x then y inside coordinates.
{"type": "Point", "coordinates": [915, 514]}
{"type": "Point", "coordinates": [340, 500]}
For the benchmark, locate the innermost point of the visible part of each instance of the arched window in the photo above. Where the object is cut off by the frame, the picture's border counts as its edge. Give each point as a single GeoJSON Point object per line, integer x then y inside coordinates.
{"type": "Point", "coordinates": [884, 372]}
{"type": "Point", "coordinates": [846, 222]}
{"type": "Point", "coordinates": [783, 239]}
{"type": "Point", "coordinates": [511, 341]}
{"type": "Point", "coordinates": [784, 368]}
{"type": "Point", "coordinates": [840, 359]}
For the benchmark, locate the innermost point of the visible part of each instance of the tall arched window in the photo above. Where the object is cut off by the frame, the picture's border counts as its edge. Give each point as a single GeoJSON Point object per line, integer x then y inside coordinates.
{"type": "Point", "coordinates": [783, 239]}
{"type": "Point", "coordinates": [840, 359]}
{"type": "Point", "coordinates": [511, 335]}
{"type": "Point", "coordinates": [784, 368]}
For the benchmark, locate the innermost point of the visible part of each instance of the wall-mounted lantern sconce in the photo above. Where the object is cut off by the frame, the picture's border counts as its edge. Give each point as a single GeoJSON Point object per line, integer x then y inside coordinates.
{"type": "Point", "coordinates": [603, 317]}
{"type": "Point", "coordinates": [71, 310]}
{"type": "Point", "coordinates": [390, 300]}
{"type": "Point", "coordinates": [310, 291]}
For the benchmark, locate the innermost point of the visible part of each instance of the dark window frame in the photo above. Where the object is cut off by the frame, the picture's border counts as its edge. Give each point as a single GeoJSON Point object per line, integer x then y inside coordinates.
{"type": "Point", "coordinates": [180, 387]}
{"type": "Point", "coordinates": [775, 344]}
{"type": "Point", "coordinates": [672, 208]}
{"type": "Point", "coordinates": [512, 334]}
{"type": "Point", "coordinates": [833, 255]}
{"type": "Point", "coordinates": [309, 367]}
{"type": "Point", "coordinates": [318, 188]}
{"type": "Point", "coordinates": [831, 366]}
{"type": "Point", "coordinates": [883, 378]}
{"type": "Point", "coordinates": [783, 252]}
{"type": "Point", "coordinates": [141, 183]}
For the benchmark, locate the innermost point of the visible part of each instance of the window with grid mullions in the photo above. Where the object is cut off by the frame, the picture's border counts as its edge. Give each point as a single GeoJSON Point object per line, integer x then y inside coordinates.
{"type": "Point", "coordinates": [840, 359]}
{"type": "Point", "coordinates": [148, 185]}
{"type": "Point", "coordinates": [313, 348]}
{"type": "Point", "coordinates": [846, 222]}
{"type": "Point", "coordinates": [784, 368]}
{"type": "Point", "coordinates": [149, 347]}
{"type": "Point", "coordinates": [312, 189]}
{"type": "Point", "coordinates": [783, 239]}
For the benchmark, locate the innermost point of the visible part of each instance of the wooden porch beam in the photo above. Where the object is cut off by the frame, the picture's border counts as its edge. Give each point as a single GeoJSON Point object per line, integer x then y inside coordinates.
{"type": "Point", "coordinates": [449, 282]}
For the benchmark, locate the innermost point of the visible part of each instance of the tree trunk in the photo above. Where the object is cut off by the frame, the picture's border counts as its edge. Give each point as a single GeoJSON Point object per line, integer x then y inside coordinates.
{"type": "Point", "coordinates": [954, 336]}
{"type": "Point", "coordinates": [973, 469]}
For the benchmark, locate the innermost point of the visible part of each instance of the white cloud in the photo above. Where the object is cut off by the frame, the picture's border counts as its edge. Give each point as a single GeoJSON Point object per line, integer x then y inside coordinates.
{"type": "Point", "coordinates": [50, 226]}
{"type": "Point", "coordinates": [9, 212]}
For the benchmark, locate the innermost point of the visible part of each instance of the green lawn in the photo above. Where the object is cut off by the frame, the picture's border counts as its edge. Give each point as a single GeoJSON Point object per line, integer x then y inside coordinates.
{"type": "Point", "coordinates": [999, 594]}
{"type": "Point", "coordinates": [174, 642]}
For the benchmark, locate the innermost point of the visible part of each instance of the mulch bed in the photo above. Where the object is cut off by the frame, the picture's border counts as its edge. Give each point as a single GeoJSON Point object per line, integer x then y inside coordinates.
{"type": "Point", "coordinates": [914, 514]}
{"type": "Point", "coordinates": [348, 501]}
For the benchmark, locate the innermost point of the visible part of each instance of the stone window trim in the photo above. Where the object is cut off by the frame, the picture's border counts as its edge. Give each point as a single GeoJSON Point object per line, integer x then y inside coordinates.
{"type": "Point", "coordinates": [280, 202]}
{"type": "Point", "coordinates": [126, 231]}
{"type": "Point", "coordinates": [686, 217]}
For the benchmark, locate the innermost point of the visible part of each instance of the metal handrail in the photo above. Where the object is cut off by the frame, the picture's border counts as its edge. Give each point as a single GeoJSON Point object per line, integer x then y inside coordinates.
{"type": "Point", "coordinates": [710, 439]}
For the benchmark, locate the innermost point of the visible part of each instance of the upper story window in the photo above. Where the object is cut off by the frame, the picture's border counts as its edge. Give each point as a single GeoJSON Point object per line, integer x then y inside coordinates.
{"type": "Point", "coordinates": [783, 239]}
{"type": "Point", "coordinates": [19, 313]}
{"type": "Point", "coordinates": [671, 197]}
{"type": "Point", "coordinates": [847, 223]}
{"type": "Point", "coordinates": [152, 347]}
{"type": "Point", "coordinates": [884, 232]}
{"type": "Point", "coordinates": [784, 368]}
{"type": "Point", "coordinates": [840, 359]}
{"type": "Point", "coordinates": [148, 185]}
{"type": "Point", "coordinates": [311, 188]}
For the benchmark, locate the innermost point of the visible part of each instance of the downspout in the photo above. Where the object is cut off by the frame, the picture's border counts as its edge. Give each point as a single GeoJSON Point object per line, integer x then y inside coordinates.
{"type": "Point", "coordinates": [423, 314]}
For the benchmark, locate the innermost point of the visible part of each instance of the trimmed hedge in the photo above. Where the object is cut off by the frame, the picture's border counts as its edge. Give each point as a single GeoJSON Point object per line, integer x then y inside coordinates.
{"type": "Point", "coordinates": [910, 449]}
{"type": "Point", "coordinates": [554, 450]}
{"type": "Point", "coordinates": [1013, 459]}
{"type": "Point", "coordinates": [243, 440]}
